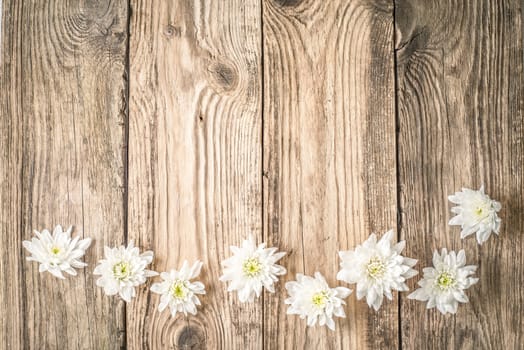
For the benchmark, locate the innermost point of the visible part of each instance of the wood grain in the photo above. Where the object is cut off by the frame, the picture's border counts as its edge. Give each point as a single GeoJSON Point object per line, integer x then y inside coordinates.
{"type": "Point", "coordinates": [460, 88]}
{"type": "Point", "coordinates": [1, 27]}
{"type": "Point", "coordinates": [61, 142]}
{"type": "Point", "coordinates": [195, 160]}
{"type": "Point", "coordinates": [329, 155]}
{"type": "Point", "coordinates": [308, 123]}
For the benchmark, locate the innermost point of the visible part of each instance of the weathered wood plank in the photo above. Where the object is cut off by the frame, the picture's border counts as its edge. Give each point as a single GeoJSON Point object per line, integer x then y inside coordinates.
{"type": "Point", "coordinates": [61, 156]}
{"type": "Point", "coordinates": [195, 160]}
{"type": "Point", "coordinates": [12, 296]}
{"type": "Point", "coordinates": [329, 154]}
{"type": "Point", "coordinates": [460, 79]}
{"type": "Point", "coordinates": [1, 15]}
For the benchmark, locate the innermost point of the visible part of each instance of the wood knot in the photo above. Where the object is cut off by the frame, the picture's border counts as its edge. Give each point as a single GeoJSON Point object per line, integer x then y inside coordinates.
{"type": "Point", "coordinates": [224, 74]}
{"type": "Point", "coordinates": [288, 3]}
{"type": "Point", "coordinates": [191, 337]}
{"type": "Point", "coordinates": [172, 31]}
{"type": "Point", "coordinates": [417, 41]}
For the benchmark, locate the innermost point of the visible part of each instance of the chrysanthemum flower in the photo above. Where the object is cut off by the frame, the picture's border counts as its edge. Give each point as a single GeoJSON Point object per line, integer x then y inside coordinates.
{"type": "Point", "coordinates": [57, 253]}
{"type": "Point", "coordinates": [377, 268]}
{"type": "Point", "coordinates": [177, 290]}
{"type": "Point", "coordinates": [123, 269]}
{"type": "Point", "coordinates": [476, 212]}
{"type": "Point", "coordinates": [444, 284]}
{"type": "Point", "coordinates": [250, 268]}
{"type": "Point", "coordinates": [313, 298]}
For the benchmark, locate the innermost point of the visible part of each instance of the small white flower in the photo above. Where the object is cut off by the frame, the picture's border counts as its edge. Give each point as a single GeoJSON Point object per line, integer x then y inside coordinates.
{"type": "Point", "coordinates": [123, 269]}
{"type": "Point", "coordinates": [57, 253]}
{"type": "Point", "coordinates": [313, 298]}
{"type": "Point", "coordinates": [251, 268]}
{"type": "Point", "coordinates": [443, 285]}
{"type": "Point", "coordinates": [476, 212]}
{"type": "Point", "coordinates": [178, 292]}
{"type": "Point", "coordinates": [377, 268]}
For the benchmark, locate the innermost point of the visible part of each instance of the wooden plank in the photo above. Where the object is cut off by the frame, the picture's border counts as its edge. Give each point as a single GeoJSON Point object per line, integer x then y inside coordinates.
{"type": "Point", "coordinates": [61, 140]}
{"type": "Point", "coordinates": [195, 160]}
{"type": "Point", "coordinates": [329, 155]}
{"type": "Point", "coordinates": [461, 80]}
{"type": "Point", "coordinates": [1, 15]}
{"type": "Point", "coordinates": [12, 261]}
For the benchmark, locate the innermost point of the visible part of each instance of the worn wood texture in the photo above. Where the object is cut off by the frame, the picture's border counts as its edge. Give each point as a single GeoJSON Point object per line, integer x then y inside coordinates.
{"type": "Point", "coordinates": [186, 125]}
{"type": "Point", "coordinates": [329, 159]}
{"type": "Point", "coordinates": [61, 162]}
{"type": "Point", "coordinates": [460, 88]}
{"type": "Point", "coordinates": [195, 175]}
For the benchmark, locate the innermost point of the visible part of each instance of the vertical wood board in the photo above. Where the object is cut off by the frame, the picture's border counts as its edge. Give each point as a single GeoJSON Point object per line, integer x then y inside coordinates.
{"type": "Point", "coordinates": [460, 88]}
{"type": "Point", "coordinates": [195, 161]}
{"type": "Point", "coordinates": [62, 154]}
{"type": "Point", "coordinates": [329, 155]}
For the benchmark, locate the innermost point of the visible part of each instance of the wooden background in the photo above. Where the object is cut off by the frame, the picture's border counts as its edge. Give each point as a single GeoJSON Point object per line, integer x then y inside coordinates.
{"type": "Point", "coordinates": [185, 125]}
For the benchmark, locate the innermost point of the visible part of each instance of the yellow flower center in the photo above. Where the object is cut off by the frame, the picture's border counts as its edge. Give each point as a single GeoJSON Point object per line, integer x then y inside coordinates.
{"type": "Point", "coordinates": [122, 270]}
{"type": "Point", "coordinates": [482, 209]}
{"type": "Point", "coordinates": [179, 290]}
{"type": "Point", "coordinates": [445, 280]}
{"type": "Point", "coordinates": [375, 268]}
{"type": "Point", "coordinates": [319, 299]}
{"type": "Point", "coordinates": [55, 250]}
{"type": "Point", "coordinates": [251, 267]}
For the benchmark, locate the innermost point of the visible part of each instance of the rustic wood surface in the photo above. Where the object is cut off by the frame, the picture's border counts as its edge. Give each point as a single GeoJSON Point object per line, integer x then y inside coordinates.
{"type": "Point", "coordinates": [186, 125]}
{"type": "Point", "coordinates": [329, 160]}
{"type": "Point", "coordinates": [460, 89]}
{"type": "Point", "coordinates": [195, 160]}
{"type": "Point", "coordinates": [62, 161]}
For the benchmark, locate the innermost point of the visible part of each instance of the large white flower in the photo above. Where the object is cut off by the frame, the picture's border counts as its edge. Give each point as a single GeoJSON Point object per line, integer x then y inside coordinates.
{"type": "Point", "coordinates": [57, 253]}
{"type": "Point", "coordinates": [377, 268]}
{"type": "Point", "coordinates": [313, 298]}
{"type": "Point", "coordinates": [443, 285]}
{"type": "Point", "coordinates": [177, 291]}
{"type": "Point", "coordinates": [123, 269]}
{"type": "Point", "coordinates": [250, 268]}
{"type": "Point", "coordinates": [476, 212]}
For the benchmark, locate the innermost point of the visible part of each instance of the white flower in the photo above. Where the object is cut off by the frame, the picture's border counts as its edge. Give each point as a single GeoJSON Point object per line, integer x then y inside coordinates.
{"type": "Point", "coordinates": [476, 212]}
{"type": "Point", "coordinates": [178, 292]}
{"type": "Point", "coordinates": [57, 253]}
{"type": "Point", "coordinates": [313, 298]}
{"type": "Point", "coordinates": [123, 269]}
{"type": "Point", "coordinates": [251, 268]}
{"type": "Point", "coordinates": [377, 268]}
{"type": "Point", "coordinates": [443, 285]}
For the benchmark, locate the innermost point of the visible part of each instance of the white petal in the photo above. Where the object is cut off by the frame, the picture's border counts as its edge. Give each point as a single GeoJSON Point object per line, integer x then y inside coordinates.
{"type": "Point", "coordinates": [339, 312]}
{"type": "Point", "coordinates": [107, 252]}
{"type": "Point", "coordinates": [71, 271]}
{"type": "Point", "coordinates": [127, 293]}
{"type": "Point", "coordinates": [419, 294]}
{"type": "Point", "coordinates": [387, 237]}
{"type": "Point", "coordinates": [150, 273]}
{"type": "Point", "coordinates": [460, 296]}
{"type": "Point", "coordinates": [330, 323]}
{"type": "Point", "coordinates": [162, 306]}
{"type": "Point", "coordinates": [195, 269]}
{"type": "Point", "coordinates": [58, 230]}
{"type": "Point", "coordinates": [456, 220]}
{"type": "Point", "coordinates": [343, 292]}
{"type": "Point", "coordinates": [84, 243]}
{"type": "Point", "coordinates": [157, 288]}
